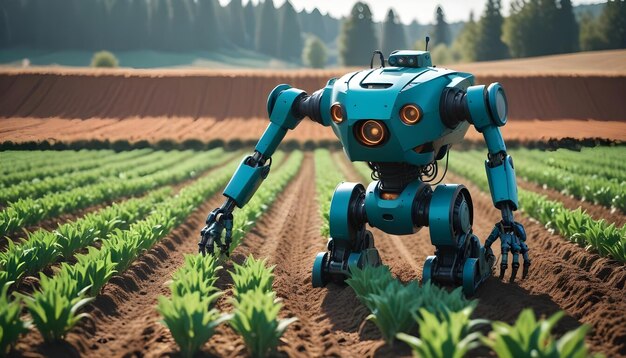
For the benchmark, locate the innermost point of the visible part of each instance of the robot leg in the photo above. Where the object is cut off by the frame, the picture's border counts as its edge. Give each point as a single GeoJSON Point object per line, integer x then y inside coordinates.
{"type": "Point", "coordinates": [459, 258]}
{"type": "Point", "coordinates": [350, 243]}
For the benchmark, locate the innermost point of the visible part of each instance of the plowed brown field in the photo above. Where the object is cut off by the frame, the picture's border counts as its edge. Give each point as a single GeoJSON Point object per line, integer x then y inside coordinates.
{"type": "Point", "coordinates": [331, 320]}
{"type": "Point", "coordinates": [228, 107]}
{"type": "Point", "coordinates": [249, 130]}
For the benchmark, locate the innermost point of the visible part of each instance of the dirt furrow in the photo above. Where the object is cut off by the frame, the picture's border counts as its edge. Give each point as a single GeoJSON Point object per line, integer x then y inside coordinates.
{"type": "Point", "coordinates": [589, 288]}
{"type": "Point", "coordinates": [288, 236]}
{"type": "Point", "coordinates": [558, 281]}
{"type": "Point", "coordinates": [126, 321]}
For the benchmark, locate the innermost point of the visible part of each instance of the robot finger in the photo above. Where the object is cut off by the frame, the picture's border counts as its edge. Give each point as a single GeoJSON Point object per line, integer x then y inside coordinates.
{"type": "Point", "coordinates": [526, 260]}
{"type": "Point", "coordinates": [514, 266]}
{"type": "Point", "coordinates": [204, 238]}
{"type": "Point", "coordinates": [504, 263]}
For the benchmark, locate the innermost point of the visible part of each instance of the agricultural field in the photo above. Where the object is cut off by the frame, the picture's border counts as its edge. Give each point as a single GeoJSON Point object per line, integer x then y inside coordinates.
{"type": "Point", "coordinates": [107, 177]}
{"type": "Point", "coordinates": [98, 264]}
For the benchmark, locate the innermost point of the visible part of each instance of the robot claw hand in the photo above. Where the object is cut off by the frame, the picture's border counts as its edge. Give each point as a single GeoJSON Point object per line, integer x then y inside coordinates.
{"type": "Point", "coordinates": [211, 235]}
{"type": "Point", "coordinates": [512, 238]}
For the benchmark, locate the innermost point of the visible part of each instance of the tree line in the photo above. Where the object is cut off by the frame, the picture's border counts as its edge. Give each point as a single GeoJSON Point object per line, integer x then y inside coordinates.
{"type": "Point", "coordinates": [162, 25]}
{"type": "Point", "coordinates": [533, 28]}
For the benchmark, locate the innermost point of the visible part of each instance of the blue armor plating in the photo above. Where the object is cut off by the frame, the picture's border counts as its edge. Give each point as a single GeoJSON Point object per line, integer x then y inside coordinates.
{"type": "Point", "coordinates": [402, 120]}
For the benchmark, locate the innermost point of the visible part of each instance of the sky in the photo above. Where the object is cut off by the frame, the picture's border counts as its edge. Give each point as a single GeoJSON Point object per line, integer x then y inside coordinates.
{"type": "Point", "coordinates": [408, 10]}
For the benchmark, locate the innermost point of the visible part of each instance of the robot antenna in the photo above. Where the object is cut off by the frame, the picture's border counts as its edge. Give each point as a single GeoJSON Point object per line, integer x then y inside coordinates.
{"type": "Point", "coordinates": [380, 55]}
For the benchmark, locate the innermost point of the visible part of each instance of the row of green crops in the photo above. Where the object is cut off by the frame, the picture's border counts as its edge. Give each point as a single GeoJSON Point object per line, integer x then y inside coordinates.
{"type": "Point", "coordinates": [189, 312]}
{"type": "Point", "coordinates": [590, 162]}
{"type": "Point", "coordinates": [54, 308]}
{"type": "Point", "coordinates": [247, 216]}
{"type": "Point", "coordinates": [27, 211]}
{"type": "Point", "coordinates": [191, 317]}
{"type": "Point", "coordinates": [50, 164]}
{"type": "Point", "coordinates": [256, 308]}
{"type": "Point", "coordinates": [575, 225]}
{"type": "Point", "coordinates": [443, 321]}
{"type": "Point", "coordinates": [121, 168]}
{"type": "Point", "coordinates": [594, 188]}
{"type": "Point", "coordinates": [327, 177]}
{"type": "Point", "coordinates": [42, 247]}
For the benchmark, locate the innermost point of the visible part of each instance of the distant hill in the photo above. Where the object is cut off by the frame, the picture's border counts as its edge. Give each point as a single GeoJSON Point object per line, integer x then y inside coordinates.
{"type": "Point", "coordinates": [594, 9]}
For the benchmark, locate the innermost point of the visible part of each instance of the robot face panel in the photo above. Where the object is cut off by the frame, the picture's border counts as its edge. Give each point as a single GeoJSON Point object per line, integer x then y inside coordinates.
{"type": "Point", "coordinates": [391, 114]}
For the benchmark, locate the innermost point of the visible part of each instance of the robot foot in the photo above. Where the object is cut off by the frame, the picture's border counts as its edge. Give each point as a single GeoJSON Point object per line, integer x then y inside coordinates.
{"type": "Point", "coordinates": [468, 265]}
{"type": "Point", "coordinates": [334, 265]}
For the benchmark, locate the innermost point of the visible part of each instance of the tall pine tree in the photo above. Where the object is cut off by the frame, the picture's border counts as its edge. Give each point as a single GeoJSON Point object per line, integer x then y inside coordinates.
{"type": "Point", "coordinates": [250, 18]}
{"type": "Point", "coordinates": [267, 30]}
{"type": "Point", "coordinates": [357, 39]}
{"type": "Point", "coordinates": [237, 23]}
{"type": "Point", "coordinates": [393, 34]}
{"type": "Point", "coordinates": [441, 31]}
{"type": "Point", "coordinates": [290, 34]}
{"type": "Point", "coordinates": [489, 45]}
{"type": "Point", "coordinates": [205, 27]}
{"type": "Point", "coordinates": [568, 29]}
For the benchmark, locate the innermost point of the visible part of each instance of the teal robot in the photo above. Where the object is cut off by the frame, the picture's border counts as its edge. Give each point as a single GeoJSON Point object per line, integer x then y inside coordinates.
{"type": "Point", "coordinates": [402, 120]}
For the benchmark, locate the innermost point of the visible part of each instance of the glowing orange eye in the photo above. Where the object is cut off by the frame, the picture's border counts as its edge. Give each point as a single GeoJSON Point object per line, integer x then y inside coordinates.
{"type": "Point", "coordinates": [336, 113]}
{"type": "Point", "coordinates": [371, 133]}
{"type": "Point", "coordinates": [410, 114]}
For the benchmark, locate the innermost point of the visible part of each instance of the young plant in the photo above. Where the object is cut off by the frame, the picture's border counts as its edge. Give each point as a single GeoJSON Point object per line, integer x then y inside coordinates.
{"type": "Point", "coordinates": [189, 320]}
{"type": "Point", "coordinates": [449, 334]}
{"type": "Point", "coordinates": [92, 270]}
{"type": "Point", "coordinates": [252, 275]}
{"type": "Point", "coordinates": [392, 309]}
{"type": "Point", "coordinates": [438, 300]}
{"type": "Point", "coordinates": [54, 308]}
{"type": "Point", "coordinates": [369, 280]}
{"type": "Point", "coordinates": [255, 318]}
{"type": "Point", "coordinates": [198, 274]}
{"type": "Point", "coordinates": [531, 337]}
{"type": "Point", "coordinates": [11, 326]}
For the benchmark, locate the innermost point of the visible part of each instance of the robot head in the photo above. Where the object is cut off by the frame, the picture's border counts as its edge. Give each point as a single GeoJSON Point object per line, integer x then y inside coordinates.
{"type": "Point", "coordinates": [392, 114]}
{"type": "Point", "coordinates": [414, 59]}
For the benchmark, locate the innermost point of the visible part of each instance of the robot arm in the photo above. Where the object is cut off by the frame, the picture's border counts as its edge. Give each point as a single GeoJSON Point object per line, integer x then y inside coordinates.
{"type": "Point", "coordinates": [286, 107]}
{"type": "Point", "coordinates": [487, 111]}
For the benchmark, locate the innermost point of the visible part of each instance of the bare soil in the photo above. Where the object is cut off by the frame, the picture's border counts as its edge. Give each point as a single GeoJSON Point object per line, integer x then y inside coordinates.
{"type": "Point", "coordinates": [579, 86]}
{"type": "Point", "coordinates": [563, 276]}
{"type": "Point", "coordinates": [235, 131]}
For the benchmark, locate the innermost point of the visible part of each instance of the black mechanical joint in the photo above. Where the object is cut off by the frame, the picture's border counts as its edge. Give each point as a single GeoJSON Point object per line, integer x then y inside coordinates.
{"type": "Point", "coordinates": [453, 107]}
{"type": "Point", "coordinates": [310, 106]}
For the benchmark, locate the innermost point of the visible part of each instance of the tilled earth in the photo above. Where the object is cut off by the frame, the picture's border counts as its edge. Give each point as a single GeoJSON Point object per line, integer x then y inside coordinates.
{"type": "Point", "coordinates": [590, 289]}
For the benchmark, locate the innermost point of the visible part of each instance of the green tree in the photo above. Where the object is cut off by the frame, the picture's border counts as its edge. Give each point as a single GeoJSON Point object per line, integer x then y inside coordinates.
{"type": "Point", "coordinates": [237, 23]}
{"type": "Point", "coordinates": [489, 45]}
{"type": "Point", "coordinates": [465, 43]}
{"type": "Point", "coordinates": [290, 38]}
{"type": "Point", "coordinates": [532, 28]}
{"type": "Point", "coordinates": [357, 39]}
{"type": "Point", "coordinates": [612, 24]}
{"type": "Point", "coordinates": [314, 53]}
{"type": "Point", "coordinates": [104, 59]}
{"type": "Point", "coordinates": [393, 34]}
{"type": "Point", "coordinates": [568, 29]}
{"type": "Point", "coordinates": [181, 31]}
{"type": "Point", "coordinates": [206, 31]}
{"type": "Point", "coordinates": [267, 30]}
{"type": "Point", "coordinates": [250, 18]}
{"type": "Point", "coordinates": [441, 30]}
{"type": "Point", "coordinates": [160, 24]}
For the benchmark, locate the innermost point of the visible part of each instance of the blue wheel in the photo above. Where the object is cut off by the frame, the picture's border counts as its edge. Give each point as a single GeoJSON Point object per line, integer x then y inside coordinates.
{"type": "Point", "coordinates": [318, 276]}
{"type": "Point", "coordinates": [429, 267]}
{"type": "Point", "coordinates": [471, 276]}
